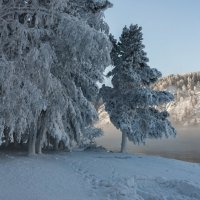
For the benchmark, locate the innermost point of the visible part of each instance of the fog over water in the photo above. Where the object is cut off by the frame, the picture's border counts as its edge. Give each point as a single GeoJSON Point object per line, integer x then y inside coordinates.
{"type": "Point", "coordinates": [185, 146]}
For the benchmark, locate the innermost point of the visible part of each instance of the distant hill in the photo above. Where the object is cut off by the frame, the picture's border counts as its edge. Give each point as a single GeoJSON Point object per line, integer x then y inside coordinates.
{"type": "Point", "coordinates": [185, 109]}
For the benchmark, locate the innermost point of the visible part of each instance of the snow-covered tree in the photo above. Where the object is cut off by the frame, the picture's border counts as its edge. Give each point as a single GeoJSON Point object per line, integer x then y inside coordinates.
{"type": "Point", "coordinates": [131, 103]}
{"type": "Point", "coordinates": [52, 53]}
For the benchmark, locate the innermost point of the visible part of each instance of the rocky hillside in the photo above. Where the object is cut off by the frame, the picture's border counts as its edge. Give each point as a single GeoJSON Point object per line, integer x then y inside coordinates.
{"type": "Point", "coordinates": [185, 109]}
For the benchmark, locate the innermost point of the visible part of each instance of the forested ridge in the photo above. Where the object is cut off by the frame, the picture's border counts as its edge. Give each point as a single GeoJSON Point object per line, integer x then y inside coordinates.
{"type": "Point", "coordinates": [185, 109]}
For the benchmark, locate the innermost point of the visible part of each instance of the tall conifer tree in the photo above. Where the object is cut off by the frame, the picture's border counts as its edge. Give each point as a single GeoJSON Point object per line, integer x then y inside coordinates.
{"type": "Point", "coordinates": [131, 103]}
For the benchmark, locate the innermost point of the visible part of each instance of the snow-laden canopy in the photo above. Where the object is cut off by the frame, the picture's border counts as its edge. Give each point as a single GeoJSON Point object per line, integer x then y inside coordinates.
{"type": "Point", "coordinates": [52, 53]}
{"type": "Point", "coordinates": [131, 103]}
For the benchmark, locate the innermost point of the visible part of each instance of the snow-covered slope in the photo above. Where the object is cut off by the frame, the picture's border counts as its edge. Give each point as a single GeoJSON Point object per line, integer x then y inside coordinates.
{"type": "Point", "coordinates": [97, 176]}
{"type": "Point", "coordinates": [104, 119]}
{"type": "Point", "coordinates": [185, 109]}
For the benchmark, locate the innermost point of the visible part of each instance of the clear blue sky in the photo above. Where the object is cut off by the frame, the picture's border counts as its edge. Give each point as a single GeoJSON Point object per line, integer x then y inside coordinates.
{"type": "Point", "coordinates": [171, 31]}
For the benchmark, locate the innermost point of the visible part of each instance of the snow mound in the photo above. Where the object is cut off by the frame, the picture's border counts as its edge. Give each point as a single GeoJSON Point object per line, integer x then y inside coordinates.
{"type": "Point", "coordinates": [162, 189]}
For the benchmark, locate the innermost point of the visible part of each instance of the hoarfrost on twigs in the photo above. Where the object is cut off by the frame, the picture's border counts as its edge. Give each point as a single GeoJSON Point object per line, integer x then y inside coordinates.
{"type": "Point", "coordinates": [52, 53]}
{"type": "Point", "coordinates": [132, 104]}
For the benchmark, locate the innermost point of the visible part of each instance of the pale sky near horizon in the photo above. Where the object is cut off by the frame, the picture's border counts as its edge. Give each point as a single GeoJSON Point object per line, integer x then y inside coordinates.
{"type": "Point", "coordinates": [171, 31]}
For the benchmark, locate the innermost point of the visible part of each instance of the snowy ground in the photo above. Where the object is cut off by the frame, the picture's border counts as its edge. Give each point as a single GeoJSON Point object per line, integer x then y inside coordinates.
{"type": "Point", "coordinates": [97, 176]}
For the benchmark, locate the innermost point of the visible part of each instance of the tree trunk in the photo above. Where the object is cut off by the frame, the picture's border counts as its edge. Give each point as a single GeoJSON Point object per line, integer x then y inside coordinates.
{"type": "Point", "coordinates": [6, 136]}
{"type": "Point", "coordinates": [41, 132]}
{"type": "Point", "coordinates": [16, 145]}
{"type": "Point", "coordinates": [124, 143]}
{"type": "Point", "coordinates": [39, 142]}
{"type": "Point", "coordinates": [32, 139]}
{"type": "Point", "coordinates": [56, 143]}
{"type": "Point", "coordinates": [7, 140]}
